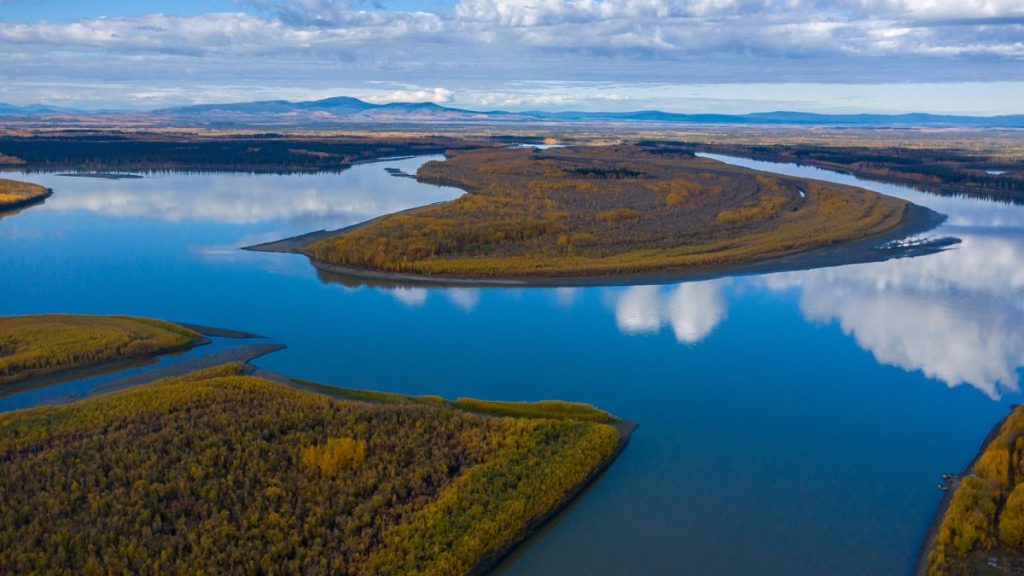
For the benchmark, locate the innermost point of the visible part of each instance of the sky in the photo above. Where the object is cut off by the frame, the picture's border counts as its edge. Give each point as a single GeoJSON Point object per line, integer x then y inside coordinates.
{"type": "Point", "coordinates": [728, 56]}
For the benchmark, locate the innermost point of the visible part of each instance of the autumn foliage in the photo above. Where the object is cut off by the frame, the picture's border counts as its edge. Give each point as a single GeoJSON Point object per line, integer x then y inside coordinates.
{"type": "Point", "coordinates": [986, 513]}
{"type": "Point", "coordinates": [612, 210]}
{"type": "Point", "coordinates": [34, 346]}
{"type": "Point", "coordinates": [220, 473]}
{"type": "Point", "coordinates": [14, 194]}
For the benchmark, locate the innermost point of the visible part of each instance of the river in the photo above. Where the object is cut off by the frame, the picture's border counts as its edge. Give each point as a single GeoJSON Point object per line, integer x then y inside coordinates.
{"type": "Point", "coordinates": [792, 423]}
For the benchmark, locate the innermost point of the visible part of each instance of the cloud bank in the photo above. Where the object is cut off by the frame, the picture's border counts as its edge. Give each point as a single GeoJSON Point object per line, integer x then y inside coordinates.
{"type": "Point", "coordinates": [494, 45]}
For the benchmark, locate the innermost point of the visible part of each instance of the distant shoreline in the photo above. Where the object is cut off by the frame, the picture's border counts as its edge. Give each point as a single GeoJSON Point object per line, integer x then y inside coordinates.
{"type": "Point", "coordinates": [916, 220]}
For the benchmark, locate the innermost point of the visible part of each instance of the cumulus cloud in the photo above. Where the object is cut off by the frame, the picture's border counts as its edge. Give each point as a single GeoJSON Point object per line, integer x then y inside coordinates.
{"type": "Point", "coordinates": [436, 95]}
{"type": "Point", "coordinates": [740, 26]}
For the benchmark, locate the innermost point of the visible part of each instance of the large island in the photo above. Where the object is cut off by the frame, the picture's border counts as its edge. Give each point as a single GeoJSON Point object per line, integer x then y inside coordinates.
{"type": "Point", "coordinates": [596, 212]}
{"type": "Point", "coordinates": [221, 471]}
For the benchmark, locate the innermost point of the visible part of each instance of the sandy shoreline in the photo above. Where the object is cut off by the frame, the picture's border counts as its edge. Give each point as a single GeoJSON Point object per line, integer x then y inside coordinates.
{"type": "Point", "coordinates": [917, 220]}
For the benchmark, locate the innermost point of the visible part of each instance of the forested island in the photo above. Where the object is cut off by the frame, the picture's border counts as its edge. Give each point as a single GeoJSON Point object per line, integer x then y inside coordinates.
{"type": "Point", "coordinates": [15, 194]}
{"type": "Point", "coordinates": [220, 471]}
{"type": "Point", "coordinates": [601, 211]}
{"type": "Point", "coordinates": [980, 530]}
{"type": "Point", "coordinates": [51, 344]}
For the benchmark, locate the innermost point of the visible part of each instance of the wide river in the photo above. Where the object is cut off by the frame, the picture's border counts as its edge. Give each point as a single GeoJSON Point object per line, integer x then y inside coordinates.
{"type": "Point", "coordinates": [790, 424]}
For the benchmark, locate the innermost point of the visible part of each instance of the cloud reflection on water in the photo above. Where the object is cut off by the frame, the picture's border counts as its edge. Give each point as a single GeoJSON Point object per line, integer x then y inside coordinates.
{"type": "Point", "coordinates": [692, 310]}
{"type": "Point", "coordinates": [296, 203]}
{"type": "Point", "coordinates": [957, 316]}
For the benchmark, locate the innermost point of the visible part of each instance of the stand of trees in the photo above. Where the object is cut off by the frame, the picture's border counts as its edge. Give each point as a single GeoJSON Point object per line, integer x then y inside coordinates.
{"type": "Point", "coordinates": [34, 346]}
{"type": "Point", "coordinates": [221, 473]}
{"type": "Point", "coordinates": [985, 516]}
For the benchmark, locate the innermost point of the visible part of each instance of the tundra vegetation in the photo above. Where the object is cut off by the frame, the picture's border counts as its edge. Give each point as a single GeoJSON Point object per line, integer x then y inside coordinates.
{"type": "Point", "coordinates": [217, 472]}
{"type": "Point", "coordinates": [15, 194]}
{"type": "Point", "coordinates": [984, 520]}
{"type": "Point", "coordinates": [604, 210]}
{"type": "Point", "coordinates": [35, 346]}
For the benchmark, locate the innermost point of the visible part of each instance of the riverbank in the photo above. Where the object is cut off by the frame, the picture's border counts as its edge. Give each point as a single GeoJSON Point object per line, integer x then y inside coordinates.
{"type": "Point", "coordinates": [535, 528]}
{"type": "Point", "coordinates": [921, 567]}
{"type": "Point", "coordinates": [979, 528]}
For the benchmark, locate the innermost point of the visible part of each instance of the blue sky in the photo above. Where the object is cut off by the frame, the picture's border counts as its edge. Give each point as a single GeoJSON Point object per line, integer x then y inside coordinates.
{"type": "Point", "coordinates": [944, 56]}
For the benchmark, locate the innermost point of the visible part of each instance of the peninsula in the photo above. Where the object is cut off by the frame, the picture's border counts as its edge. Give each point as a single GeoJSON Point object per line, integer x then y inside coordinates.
{"type": "Point", "coordinates": [48, 345]}
{"type": "Point", "coordinates": [15, 194]}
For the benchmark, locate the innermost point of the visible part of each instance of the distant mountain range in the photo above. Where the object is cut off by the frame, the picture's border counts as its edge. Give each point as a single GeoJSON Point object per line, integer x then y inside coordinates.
{"type": "Point", "coordinates": [10, 109]}
{"type": "Point", "coordinates": [346, 110]}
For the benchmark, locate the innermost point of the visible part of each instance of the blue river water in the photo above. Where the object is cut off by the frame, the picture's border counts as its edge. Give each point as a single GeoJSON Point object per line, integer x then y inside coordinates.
{"type": "Point", "coordinates": [790, 424]}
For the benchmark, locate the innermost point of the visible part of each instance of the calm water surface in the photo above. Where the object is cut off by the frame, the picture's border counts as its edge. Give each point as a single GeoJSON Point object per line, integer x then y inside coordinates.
{"type": "Point", "coordinates": [793, 423]}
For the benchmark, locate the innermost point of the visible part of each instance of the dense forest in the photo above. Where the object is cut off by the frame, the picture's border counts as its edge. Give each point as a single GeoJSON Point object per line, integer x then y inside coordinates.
{"type": "Point", "coordinates": [15, 194]}
{"type": "Point", "coordinates": [140, 151]}
{"type": "Point", "coordinates": [221, 473]}
{"type": "Point", "coordinates": [603, 210]}
{"type": "Point", "coordinates": [946, 170]}
{"type": "Point", "coordinates": [34, 346]}
{"type": "Point", "coordinates": [983, 525]}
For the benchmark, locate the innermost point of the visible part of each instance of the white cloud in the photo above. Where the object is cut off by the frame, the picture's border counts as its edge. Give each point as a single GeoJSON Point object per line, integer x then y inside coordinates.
{"type": "Point", "coordinates": [436, 95]}
{"type": "Point", "coordinates": [487, 45]}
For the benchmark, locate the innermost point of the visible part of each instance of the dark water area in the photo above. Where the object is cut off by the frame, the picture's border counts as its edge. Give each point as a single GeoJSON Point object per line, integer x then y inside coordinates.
{"type": "Point", "coordinates": [792, 423]}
